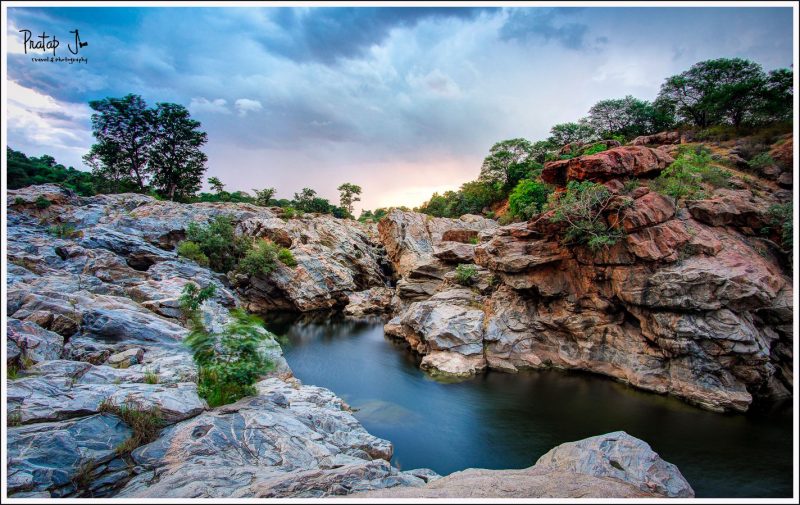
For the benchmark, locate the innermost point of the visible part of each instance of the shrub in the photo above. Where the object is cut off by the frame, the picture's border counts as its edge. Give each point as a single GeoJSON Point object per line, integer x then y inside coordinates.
{"type": "Point", "coordinates": [581, 207]}
{"type": "Point", "coordinates": [474, 240]}
{"type": "Point", "coordinates": [12, 372]}
{"type": "Point", "coordinates": [465, 274]}
{"type": "Point", "coordinates": [528, 198]}
{"type": "Point", "coordinates": [145, 422]}
{"type": "Point", "coordinates": [230, 362]}
{"type": "Point", "coordinates": [684, 177]}
{"type": "Point", "coordinates": [43, 202]}
{"type": "Point", "coordinates": [781, 220]}
{"type": "Point", "coordinates": [63, 230]}
{"type": "Point", "coordinates": [191, 250]}
{"type": "Point", "coordinates": [289, 213]}
{"type": "Point", "coordinates": [217, 241]}
{"type": "Point", "coordinates": [19, 201]}
{"type": "Point", "coordinates": [286, 257]}
{"type": "Point", "coordinates": [261, 259]}
{"type": "Point", "coordinates": [150, 377]}
{"type": "Point", "coordinates": [761, 161]}
{"type": "Point", "coordinates": [192, 297]}
{"type": "Point", "coordinates": [594, 149]}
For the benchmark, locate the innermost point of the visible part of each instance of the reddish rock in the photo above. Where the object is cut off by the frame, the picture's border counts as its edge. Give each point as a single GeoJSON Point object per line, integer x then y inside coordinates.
{"type": "Point", "coordinates": [460, 235]}
{"type": "Point", "coordinates": [783, 153]}
{"type": "Point", "coordinates": [649, 210]}
{"type": "Point", "coordinates": [730, 207]}
{"type": "Point", "coordinates": [619, 162]}
{"type": "Point", "coordinates": [663, 138]}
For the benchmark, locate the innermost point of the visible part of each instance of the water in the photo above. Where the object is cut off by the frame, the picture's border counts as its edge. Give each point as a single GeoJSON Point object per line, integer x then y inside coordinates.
{"type": "Point", "coordinates": [499, 420]}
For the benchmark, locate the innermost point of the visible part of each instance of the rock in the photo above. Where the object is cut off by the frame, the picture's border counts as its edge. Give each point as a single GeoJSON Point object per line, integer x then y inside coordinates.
{"type": "Point", "coordinates": [31, 342]}
{"type": "Point", "coordinates": [452, 364]}
{"type": "Point", "coordinates": [615, 465]}
{"type": "Point", "coordinates": [371, 301]}
{"type": "Point", "coordinates": [574, 147]}
{"type": "Point", "coordinates": [455, 252]}
{"type": "Point", "coordinates": [786, 180]}
{"type": "Point", "coordinates": [648, 210]}
{"type": "Point", "coordinates": [662, 138]}
{"type": "Point", "coordinates": [619, 162]}
{"type": "Point", "coordinates": [127, 358]}
{"type": "Point", "coordinates": [259, 448]}
{"type": "Point", "coordinates": [47, 457]}
{"type": "Point", "coordinates": [782, 152]}
{"type": "Point", "coordinates": [621, 457]}
{"type": "Point", "coordinates": [728, 207]}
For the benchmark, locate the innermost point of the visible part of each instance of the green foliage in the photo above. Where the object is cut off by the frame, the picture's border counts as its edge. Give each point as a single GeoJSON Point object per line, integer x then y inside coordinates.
{"type": "Point", "coordinates": [465, 274]}
{"type": "Point", "coordinates": [12, 372]}
{"type": "Point", "coordinates": [508, 162]}
{"type": "Point", "coordinates": [217, 241]}
{"type": "Point", "coordinates": [192, 297]}
{"type": "Point", "coordinates": [761, 161]}
{"type": "Point", "coordinates": [24, 171]}
{"type": "Point", "coordinates": [264, 196]}
{"type": "Point", "coordinates": [64, 230]}
{"type": "Point", "coordinates": [567, 133]}
{"type": "Point", "coordinates": [229, 362]}
{"type": "Point", "coordinates": [261, 259]}
{"type": "Point", "coordinates": [684, 178]}
{"type": "Point", "coordinates": [581, 208]}
{"type": "Point", "coordinates": [528, 198]}
{"type": "Point", "coordinates": [730, 91]}
{"type": "Point", "coordinates": [150, 377]}
{"type": "Point", "coordinates": [19, 201]}
{"type": "Point", "coordinates": [628, 117]}
{"type": "Point", "coordinates": [175, 159]}
{"type": "Point", "coordinates": [474, 240]}
{"type": "Point", "coordinates": [216, 185]}
{"type": "Point", "coordinates": [145, 422]}
{"type": "Point", "coordinates": [192, 250]}
{"type": "Point", "coordinates": [594, 149]}
{"type": "Point", "coordinates": [348, 194]}
{"type": "Point", "coordinates": [42, 202]}
{"type": "Point", "coordinates": [286, 257]}
{"type": "Point", "coordinates": [781, 220]}
{"type": "Point", "coordinates": [289, 213]}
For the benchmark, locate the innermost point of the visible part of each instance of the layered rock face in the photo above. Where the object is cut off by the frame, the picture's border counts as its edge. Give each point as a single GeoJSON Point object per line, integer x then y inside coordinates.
{"type": "Point", "coordinates": [691, 302]}
{"type": "Point", "coordinates": [94, 321]}
{"type": "Point", "coordinates": [615, 465]}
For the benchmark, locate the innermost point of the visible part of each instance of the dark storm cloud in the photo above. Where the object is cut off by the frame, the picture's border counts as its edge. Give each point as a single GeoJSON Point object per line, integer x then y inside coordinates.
{"type": "Point", "coordinates": [547, 25]}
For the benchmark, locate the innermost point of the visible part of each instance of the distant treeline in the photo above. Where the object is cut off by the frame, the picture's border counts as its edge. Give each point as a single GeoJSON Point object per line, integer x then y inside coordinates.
{"type": "Point", "coordinates": [715, 98]}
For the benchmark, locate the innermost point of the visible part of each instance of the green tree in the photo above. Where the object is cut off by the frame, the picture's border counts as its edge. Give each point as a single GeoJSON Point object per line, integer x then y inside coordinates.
{"type": "Point", "coordinates": [264, 196]}
{"type": "Point", "coordinates": [581, 208]}
{"type": "Point", "coordinates": [528, 198]}
{"type": "Point", "coordinates": [216, 185]}
{"type": "Point", "coordinates": [348, 194]}
{"type": "Point", "coordinates": [567, 133]}
{"type": "Point", "coordinates": [725, 90]}
{"type": "Point", "coordinates": [176, 161]}
{"type": "Point", "coordinates": [123, 128]}
{"type": "Point", "coordinates": [508, 162]}
{"type": "Point", "coordinates": [628, 117]}
{"type": "Point", "coordinates": [775, 103]}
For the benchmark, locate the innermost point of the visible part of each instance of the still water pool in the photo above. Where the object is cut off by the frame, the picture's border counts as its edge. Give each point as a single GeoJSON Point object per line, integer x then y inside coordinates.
{"type": "Point", "coordinates": [499, 420]}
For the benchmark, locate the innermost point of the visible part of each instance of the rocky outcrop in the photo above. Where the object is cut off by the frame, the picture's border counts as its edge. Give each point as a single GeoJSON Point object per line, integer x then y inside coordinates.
{"type": "Point", "coordinates": [616, 163]}
{"type": "Point", "coordinates": [678, 305]}
{"type": "Point", "coordinates": [615, 465]}
{"type": "Point", "coordinates": [658, 139]}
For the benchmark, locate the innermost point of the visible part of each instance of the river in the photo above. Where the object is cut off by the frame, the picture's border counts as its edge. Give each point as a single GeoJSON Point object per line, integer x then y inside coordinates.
{"type": "Point", "coordinates": [498, 420]}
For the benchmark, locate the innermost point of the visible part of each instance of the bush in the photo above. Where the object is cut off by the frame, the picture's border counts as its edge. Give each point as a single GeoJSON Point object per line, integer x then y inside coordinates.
{"type": "Point", "coordinates": [64, 230]}
{"type": "Point", "coordinates": [217, 241]}
{"type": "Point", "coordinates": [230, 362]}
{"type": "Point", "coordinates": [465, 274]}
{"type": "Point", "coordinates": [261, 259]}
{"type": "Point", "coordinates": [191, 250]}
{"type": "Point", "coordinates": [594, 149]}
{"type": "Point", "coordinates": [145, 422]}
{"type": "Point", "coordinates": [43, 202]}
{"type": "Point", "coordinates": [150, 377]}
{"type": "Point", "coordinates": [19, 201]}
{"type": "Point", "coordinates": [192, 297]}
{"type": "Point", "coordinates": [761, 161]}
{"type": "Point", "coordinates": [781, 220]}
{"type": "Point", "coordinates": [286, 257]}
{"type": "Point", "coordinates": [528, 198]}
{"type": "Point", "coordinates": [581, 207]}
{"type": "Point", "coordinates": [683, 179]}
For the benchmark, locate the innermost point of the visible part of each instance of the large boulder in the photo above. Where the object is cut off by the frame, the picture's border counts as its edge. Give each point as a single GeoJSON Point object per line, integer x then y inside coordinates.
{"type": "Point", "coordinates": [614, 465]}
{"type": "Point", "coordinates": [616, 163]}
{"type": "Point", "coordinates": [658, 139]}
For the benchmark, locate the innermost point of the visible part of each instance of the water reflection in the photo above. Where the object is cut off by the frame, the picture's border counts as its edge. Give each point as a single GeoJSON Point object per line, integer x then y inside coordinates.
{"type": "Point", "coordinates": [499, 420]}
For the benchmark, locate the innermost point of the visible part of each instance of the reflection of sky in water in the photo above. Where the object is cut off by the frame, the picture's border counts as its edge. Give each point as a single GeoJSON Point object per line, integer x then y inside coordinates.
{"type": "Point", "coordinates": [499, 420]}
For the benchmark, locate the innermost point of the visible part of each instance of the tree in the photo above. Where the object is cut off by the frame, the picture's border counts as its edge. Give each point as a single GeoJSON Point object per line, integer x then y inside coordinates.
{"type": "Point", "coordinates": [176, 161]}
{"type": "Point", "coordinates": [216, 185]}
{"type": "Point", "coordinates": [628, 117]}
{"type": "Point", "coordinates": [348, 194]}
{"type": "Point", "coordinates": [264, 196]}
{"type": "Point", "coordinates": [528, 198]}
{"type": "Point", "coordinates": [567, 133]}
{"type": "Point", "coordinates": [507, 163]}
{"type": "Point", "coordinates": [304, 200]}
{"type": "Point", "coordinates": [776, 96]}
{"type": "Point", "coordinates": [715, 91]}
{"type": "Point", "coordinates": [123, 128]}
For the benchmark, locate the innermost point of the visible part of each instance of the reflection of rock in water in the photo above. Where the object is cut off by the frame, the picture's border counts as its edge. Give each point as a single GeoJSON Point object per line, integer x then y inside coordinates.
{"type": "Point", "coordinates": [383, 412]}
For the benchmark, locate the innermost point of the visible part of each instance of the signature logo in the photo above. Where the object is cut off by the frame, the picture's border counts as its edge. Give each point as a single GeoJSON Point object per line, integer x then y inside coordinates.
{"type": "Point", "coordinates": [45, 43]}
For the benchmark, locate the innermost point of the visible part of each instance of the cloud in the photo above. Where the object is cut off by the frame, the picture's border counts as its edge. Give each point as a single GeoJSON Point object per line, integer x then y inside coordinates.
{"type": "Point", "coordinates": [245, 105]}
{"type": "Point", "coordinates": [529, 24]}
{"type": "Point", "coordinates": [202, 104]}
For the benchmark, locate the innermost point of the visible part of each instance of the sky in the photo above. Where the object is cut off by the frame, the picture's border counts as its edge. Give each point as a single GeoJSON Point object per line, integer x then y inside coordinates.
{"type": "Point", "coordinates": [401, 101]}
